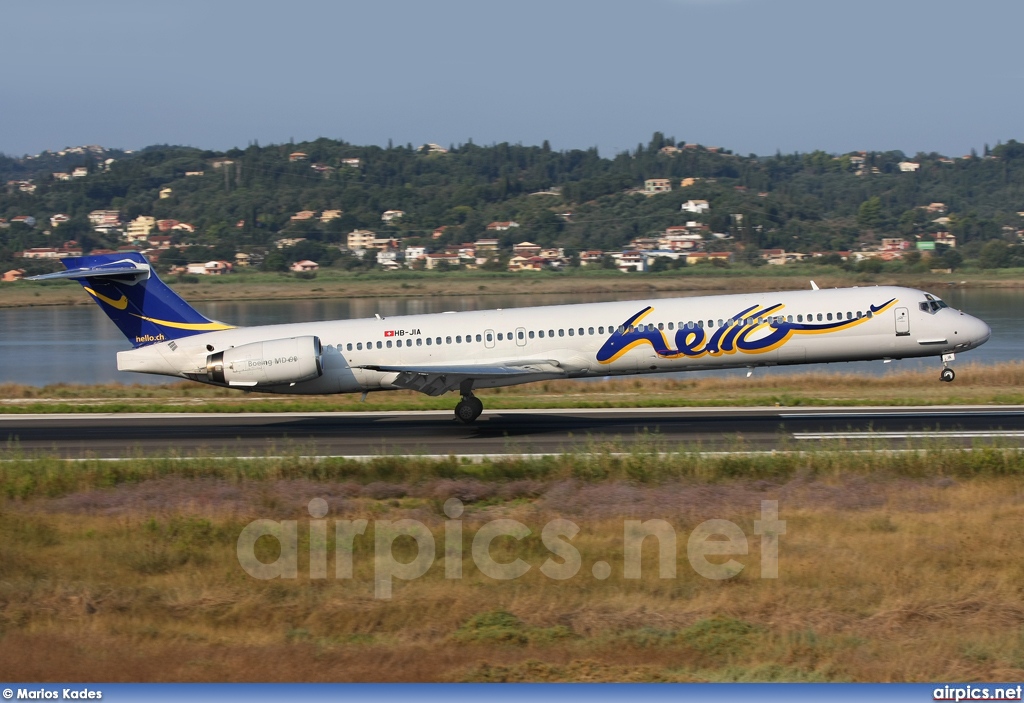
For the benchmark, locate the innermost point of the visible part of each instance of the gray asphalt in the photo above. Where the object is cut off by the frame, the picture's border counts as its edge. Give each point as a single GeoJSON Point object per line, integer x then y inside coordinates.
{"type": "Point", "coordinates": [501, 431]}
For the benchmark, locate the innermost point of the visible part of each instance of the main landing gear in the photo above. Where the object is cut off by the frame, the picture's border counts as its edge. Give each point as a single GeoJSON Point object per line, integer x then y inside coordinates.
{"type": "Point", "coordinates": [469, 408]}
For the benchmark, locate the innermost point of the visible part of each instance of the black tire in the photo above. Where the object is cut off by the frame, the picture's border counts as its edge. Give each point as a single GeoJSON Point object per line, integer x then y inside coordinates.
{"type": "Point", "coordinates": [948, 375]}
{"type": "Point", "coordinates": [466, 411]}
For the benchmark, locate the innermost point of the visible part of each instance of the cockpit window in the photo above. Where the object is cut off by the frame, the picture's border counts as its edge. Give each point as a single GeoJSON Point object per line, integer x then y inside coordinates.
{"type": "Point", "coordinates": [931, 305]}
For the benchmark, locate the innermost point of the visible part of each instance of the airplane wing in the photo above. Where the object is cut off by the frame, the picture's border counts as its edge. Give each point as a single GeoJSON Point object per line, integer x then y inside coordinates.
{"type": "Point", "coordinates": [438, 379]}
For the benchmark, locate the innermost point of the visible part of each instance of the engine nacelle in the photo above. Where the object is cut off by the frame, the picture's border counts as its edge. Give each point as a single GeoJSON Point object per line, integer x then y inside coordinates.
{"type": "Point", "coordinates": [269, 363]}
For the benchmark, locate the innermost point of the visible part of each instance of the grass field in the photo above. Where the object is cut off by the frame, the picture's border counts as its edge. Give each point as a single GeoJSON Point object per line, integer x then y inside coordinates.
{"type": "Point", "coordinates": [1000, 384]}
{"type": "Point", "coordinates": [892, 567]}
{"type": "Point", "coordinates": [338, 284]}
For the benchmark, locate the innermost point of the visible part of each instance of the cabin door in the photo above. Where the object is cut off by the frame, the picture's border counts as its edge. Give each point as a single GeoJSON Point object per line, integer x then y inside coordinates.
{"type": "Point", "coordinates": [521, 336]}
{"type": "Point", "coordinates": [902, 322]}
{"type": "Point", "coordinates": [489, 339]}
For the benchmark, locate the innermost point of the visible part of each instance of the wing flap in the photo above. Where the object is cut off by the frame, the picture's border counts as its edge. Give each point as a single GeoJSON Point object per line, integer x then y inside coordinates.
{"type": "Point", "coordinates": [470, 370]}
{"type": "Point", "coordinates": [438, 379]}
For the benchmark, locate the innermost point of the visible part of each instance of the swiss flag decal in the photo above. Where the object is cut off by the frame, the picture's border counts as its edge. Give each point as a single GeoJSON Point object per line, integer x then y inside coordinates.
{"type": "Point", "coordinates": [389, 333]}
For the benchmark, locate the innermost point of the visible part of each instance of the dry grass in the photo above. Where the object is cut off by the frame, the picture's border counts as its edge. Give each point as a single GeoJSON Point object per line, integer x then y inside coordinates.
{"type": "Point", "coordinates": [883, 577]}
{"type": "Point", "coordinates": [998, 384]}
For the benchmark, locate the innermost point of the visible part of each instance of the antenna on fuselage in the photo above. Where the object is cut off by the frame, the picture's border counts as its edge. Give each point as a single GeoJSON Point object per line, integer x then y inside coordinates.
{"type": "Point", "coordinates": [814, 286]}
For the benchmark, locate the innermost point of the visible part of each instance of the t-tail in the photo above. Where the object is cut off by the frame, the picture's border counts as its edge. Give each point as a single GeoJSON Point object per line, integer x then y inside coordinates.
{"type": "Point", "coordinates": [140, 304]}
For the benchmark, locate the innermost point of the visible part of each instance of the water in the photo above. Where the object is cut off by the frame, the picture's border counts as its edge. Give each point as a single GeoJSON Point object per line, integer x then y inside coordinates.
{"type": "Point", "coordinates": [41, 346]}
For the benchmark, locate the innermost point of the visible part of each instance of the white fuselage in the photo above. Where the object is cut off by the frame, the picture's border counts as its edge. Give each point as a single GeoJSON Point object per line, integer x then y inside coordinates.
{"type": "Point", "coordinates": [602, 339]}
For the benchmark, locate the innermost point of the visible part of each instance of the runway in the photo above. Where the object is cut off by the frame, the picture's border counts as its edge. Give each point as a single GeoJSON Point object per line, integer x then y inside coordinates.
{"type": "Point", "coordinates": [503, 432]}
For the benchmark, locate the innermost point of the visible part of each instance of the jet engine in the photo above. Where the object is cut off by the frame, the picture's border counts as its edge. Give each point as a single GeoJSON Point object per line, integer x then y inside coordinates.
{"type": "Point", "coordinates": [270, 363]}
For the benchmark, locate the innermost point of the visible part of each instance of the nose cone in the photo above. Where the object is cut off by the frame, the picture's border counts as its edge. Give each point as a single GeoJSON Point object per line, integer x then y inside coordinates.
{"type": "Point", "coordinates": [977, 331]}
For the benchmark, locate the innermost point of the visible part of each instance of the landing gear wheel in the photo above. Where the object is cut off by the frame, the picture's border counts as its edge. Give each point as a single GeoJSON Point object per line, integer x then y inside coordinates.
{"type": "Point", "coordinates": [469, 409]}
{"type": "Point", "coordinates": [948, 375]}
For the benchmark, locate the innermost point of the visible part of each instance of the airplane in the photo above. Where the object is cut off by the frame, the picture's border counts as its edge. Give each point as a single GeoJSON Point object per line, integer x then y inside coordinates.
{"type": "Point", "coordinates": [463, 351]}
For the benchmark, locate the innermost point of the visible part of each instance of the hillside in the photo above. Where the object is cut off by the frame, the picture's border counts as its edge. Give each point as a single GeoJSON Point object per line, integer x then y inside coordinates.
{"type": "Point", "coordinates": [246, 199]}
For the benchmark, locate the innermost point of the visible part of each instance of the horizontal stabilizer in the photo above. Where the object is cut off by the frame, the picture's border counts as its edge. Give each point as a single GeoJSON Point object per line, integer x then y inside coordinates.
{"type": "Point", "coordinates": [125, 269]}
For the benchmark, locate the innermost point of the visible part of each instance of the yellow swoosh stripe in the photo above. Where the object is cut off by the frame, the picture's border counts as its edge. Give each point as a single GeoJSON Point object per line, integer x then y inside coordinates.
{"type": "Point", "coordinates": [119, 304]}
{"type": "Point", "coordinates": [194, 326]}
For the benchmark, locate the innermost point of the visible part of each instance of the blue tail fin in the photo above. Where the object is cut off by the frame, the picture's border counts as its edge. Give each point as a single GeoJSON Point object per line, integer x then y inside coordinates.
{"type": "Point", "coordinates": [140, 304]}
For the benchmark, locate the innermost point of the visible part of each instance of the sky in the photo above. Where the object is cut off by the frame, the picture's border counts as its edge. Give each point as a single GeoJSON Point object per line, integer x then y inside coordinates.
{"type": "Point", "coordinates": [754, 76]}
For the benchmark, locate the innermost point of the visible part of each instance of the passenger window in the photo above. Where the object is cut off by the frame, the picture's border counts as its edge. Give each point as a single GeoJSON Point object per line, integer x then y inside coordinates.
{"type": "Point", "coordinates": [590, 330]}
{"type": "Point", "coordinates": [501, 336]}
{"type": "Point", "coordinates": [570, 331]}
{"type": "Point", "coordinates": [447, 340]}
{"type": "Point", "coordinates": [870, 314]}
{"type": "Point", "coordinates": [671, 326]}
{"type": "Point", "coordinates": [819, 317]}
{"type": "Point", "coordinates": [540, 334]}
{"type": "Point", "coordinates": [458, 339]}
{"type": "Point", "coordinates": [561, 333]}
{"type": "Point", "coordinates": [389, 344]}
{"type": "Point", "coordinates": [479, 338]}
{"type": "Point", "coordinates": [428, 341]}
{"type": "Point", "coordinates": [419, 341]}
{"type": "Point", "coordinates": [829, 316]}
{"type": "Point", "coordinates": [379, 345]}
{"type": "Point", "coordinates": [349, 347]}
{"type": "Point", "coordinates": [859, 314]}
{"type": "Point", "coordinates": [359, 346]}
{"type": "Point", "coordinates": [789, 318]}
{"type": "Point", "coordinates": [720, 323]}
{"type": "Point", "coordinates": [490, 337]}
{"type": "Point", "coordinates": [799, 318]}
{"type": "Point", "coordinates": [531, 334]}
{"type": "Point", "coordinates": [700, 323]}
{"type": "Point", "coordinates": [520, 335]}
{"type": "Point", "coordinates": [551, 333]}
{"type": "Point", "coordinates": [711, 323]}
{"type": "Point", "coordinates": [438, 341]}
{"type": "Point", "coordinates": [580, 331]}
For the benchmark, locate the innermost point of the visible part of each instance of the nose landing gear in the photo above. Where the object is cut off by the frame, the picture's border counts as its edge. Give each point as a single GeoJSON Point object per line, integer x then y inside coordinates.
{"type": "Point", "coordinates": [947, 374]}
